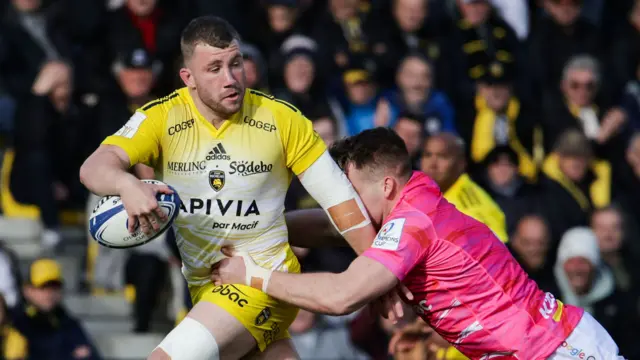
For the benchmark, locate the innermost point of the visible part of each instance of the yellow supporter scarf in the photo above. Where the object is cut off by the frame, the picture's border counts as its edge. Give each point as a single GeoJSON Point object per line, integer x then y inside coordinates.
{"type": "Point", "coordinates": [599, 191]}
{"type": "Point", "coordinates": [483, 141]}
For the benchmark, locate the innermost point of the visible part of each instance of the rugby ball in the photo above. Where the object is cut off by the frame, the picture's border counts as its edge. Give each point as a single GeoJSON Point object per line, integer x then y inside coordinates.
{"type": "Point", "coordinates": [109, 219]}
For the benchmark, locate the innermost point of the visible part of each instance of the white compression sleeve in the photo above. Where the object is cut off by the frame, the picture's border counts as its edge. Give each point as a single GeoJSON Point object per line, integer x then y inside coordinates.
{"type": "Point", "coordinates": [329, 186]}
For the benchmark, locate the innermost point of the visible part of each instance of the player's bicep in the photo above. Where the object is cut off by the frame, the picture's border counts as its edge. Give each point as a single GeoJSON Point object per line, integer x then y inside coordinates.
{"type": "Point", "coordinates": [139, 138]}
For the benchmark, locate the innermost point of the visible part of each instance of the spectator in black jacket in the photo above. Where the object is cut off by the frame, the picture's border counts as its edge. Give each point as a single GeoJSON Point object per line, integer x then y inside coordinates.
{"type": "Point", "coordinates": [513, 193]}
{"type": "Point", "coordinates": [586, 282]}
{"type": "Point", "coordinates": [558, 36]}
{"type": "Point", "coordinates": [615, 250]}
{"type": "Point", "coordinates": [52, 333]}
{"type": "Point", "coordinates": [38, 75]}
{"type": "Point", "coordinates": [529, 244]}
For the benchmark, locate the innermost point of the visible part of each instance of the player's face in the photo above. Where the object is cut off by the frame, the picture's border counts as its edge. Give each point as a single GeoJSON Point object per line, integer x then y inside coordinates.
{"type": "Point", "coordinates": [580, 273]}
{"type": "Point", "coordinates": [218, 77]}
{"type": "Point", "coordinates": [371, 193]}
{"type": "Point", "coordinates": [439, 163]}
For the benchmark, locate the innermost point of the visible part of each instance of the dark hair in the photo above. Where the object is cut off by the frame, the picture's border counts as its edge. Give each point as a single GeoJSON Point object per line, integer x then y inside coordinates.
{"type": "Point", "coordinates": [413, 117]}
{"type": "Point", "coordinates": [380, 150]}
{"type": "Point", "coordinates": [209, 30]}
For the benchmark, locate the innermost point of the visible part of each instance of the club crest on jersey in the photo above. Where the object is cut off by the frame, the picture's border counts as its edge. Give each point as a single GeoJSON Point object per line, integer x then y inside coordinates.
{"type": "Point", "coordinates": [216, 179]}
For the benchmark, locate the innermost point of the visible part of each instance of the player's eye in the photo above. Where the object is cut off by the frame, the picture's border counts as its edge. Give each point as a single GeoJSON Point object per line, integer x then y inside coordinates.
{"type": "Point", "coordinates": [215, 69]}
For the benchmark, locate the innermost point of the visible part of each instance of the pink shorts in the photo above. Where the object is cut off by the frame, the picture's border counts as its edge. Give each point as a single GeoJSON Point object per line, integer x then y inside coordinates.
{"type": "Point", "coordinates": [588, 341]}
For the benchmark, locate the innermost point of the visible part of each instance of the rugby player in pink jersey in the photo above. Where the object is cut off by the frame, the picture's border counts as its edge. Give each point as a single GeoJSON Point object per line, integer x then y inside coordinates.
{"type": "Point", "coordinates": [465, 283]}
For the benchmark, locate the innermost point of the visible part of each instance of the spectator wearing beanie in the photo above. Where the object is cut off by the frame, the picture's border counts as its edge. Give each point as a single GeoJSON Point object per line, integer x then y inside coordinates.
{"type": "Point", "coordinates": [586, 282]}
{"type": "Point", "coordinates": [255, 68]}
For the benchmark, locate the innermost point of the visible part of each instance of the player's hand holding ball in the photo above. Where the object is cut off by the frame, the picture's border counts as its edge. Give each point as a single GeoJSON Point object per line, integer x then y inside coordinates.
{"type": "Point", "coordinates": [142, 212]}
{"type": "Point", "coordinates": [139, 200]}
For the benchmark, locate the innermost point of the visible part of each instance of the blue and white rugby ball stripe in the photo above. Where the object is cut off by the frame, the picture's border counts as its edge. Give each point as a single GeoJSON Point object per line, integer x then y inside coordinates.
{"type": "Point", "coordinates": [108, 221]}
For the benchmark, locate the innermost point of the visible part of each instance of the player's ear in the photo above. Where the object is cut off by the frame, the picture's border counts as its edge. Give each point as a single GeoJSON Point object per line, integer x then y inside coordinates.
{"type": "Point", "coordinates": [185, 75]}
{"type": "Point", "coordinates": [389, 187]}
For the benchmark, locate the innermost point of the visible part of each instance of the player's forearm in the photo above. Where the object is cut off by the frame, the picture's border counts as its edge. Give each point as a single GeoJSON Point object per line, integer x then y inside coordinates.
{"type": "Point", "coordinates": [311, 228]}
{"type": "Point", "coordinates": [360, 239]}
{"type": "Point", "coordinates": [104, 173]}
{"type": "Point", "coordinates": [323, 293]}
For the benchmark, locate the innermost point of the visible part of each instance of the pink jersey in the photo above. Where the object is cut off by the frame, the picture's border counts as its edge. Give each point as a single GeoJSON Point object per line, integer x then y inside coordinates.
{"type": "Point", "coordinates": [466, 284]}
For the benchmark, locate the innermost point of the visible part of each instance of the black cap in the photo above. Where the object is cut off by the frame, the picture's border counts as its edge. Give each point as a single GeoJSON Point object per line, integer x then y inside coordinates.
{"type": "Point", "coordinates": [137, 59]}
{"type": "Point", "coordinates": [498, 73]}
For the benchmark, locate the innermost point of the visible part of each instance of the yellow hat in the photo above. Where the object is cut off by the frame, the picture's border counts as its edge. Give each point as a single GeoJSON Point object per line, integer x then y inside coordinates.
{"type": "Point", "coordinates": [355, 76]}
{"type": "Point", "coordinates": [44, 271]}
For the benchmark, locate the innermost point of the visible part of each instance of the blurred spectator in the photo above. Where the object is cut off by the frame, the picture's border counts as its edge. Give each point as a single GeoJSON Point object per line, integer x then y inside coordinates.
{"type": "Point", "coordinates": [631, 94]}
{"type": "Point", "coordinates": [529, 244]}
{"type": "Point", "coordinates": [609, 227]}
{"type": "Point", "coordinates": [625, 54]}
{"type": "Point", "coordinates": [411, 129]}
{"type": "Point", "coordinates": [558, 36]}
{"type": "Point", "coordinates": [39, 77]}
{"type": "Point", "coordinates": [480, 37]}
{"type": "Point", "coordinates": [340, 34]}
{"type": "Point", "coordinates": [516, 14]}
{"type": "Point", "coordinates": [574, 183]}
{"type": "Point", "coordinates": [152, 25]}
{"type": "Point", "coordinates": [255, 68]}
{"type": "Point", "coordinates": [628, 194]}
{"type": "Point", "coordinates": [401, 27]}
{"type": "Point", "coordinates": [318, 335]}
{"type": "Point", "coordinates": [303, 88]}
{"type": "Point", "coordinates": [415, 94]}
{"type": "Point", "coordinates": [13, 346]}
{"type": "Point", "coordinates": [51, 331]}
{"type": "Point", "coordinates": [499, 118]}
{"type": "Point", "coordinates": [580, 108]}
{"type": "Point", "coordinates": [9, 277]}
{"type": "Point", "coordinates": [586, 282]}
{"type": "Point", "coordinates": [444, 161]}
{"type": "Point", "coordinates": [360, 101]}
{"type": "Point", "coordinates": [513, 193]}
{"type": "Point", "coordinates": [282, 17]}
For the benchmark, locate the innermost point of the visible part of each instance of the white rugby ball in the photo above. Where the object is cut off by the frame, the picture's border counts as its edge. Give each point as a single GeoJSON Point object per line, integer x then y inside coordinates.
{"type": "Point", "coordinates": [109, 219]}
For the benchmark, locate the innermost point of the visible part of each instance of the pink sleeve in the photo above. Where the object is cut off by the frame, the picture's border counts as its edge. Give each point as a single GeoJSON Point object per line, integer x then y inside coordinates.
{"type": "Point", "coordinates": [398, 247]}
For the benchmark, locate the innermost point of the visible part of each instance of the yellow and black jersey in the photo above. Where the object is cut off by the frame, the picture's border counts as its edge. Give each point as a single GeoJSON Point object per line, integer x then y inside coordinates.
{"type": "Point", "coordinates": [472, 200]}
{"type": "Point", "coordinates": [232, 180]}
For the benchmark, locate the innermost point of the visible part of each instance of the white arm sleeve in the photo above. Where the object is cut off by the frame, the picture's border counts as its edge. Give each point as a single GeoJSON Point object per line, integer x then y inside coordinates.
{"type": "Point", "coordinates": [329, 186]}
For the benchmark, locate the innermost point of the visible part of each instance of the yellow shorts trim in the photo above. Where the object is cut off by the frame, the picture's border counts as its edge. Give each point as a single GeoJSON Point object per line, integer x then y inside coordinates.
{"type": "Point", "coordinates": [266, 318]}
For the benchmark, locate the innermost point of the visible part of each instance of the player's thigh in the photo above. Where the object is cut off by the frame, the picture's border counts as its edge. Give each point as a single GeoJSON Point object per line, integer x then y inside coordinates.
{"type": "Point", "coordinates": [279, 350]}
{"type": "Point", "coordinates": [208, 332]}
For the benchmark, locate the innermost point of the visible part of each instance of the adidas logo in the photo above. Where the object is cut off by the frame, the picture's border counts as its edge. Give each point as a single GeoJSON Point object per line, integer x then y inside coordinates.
{"type": "Point", "coordinates": [218, 153]}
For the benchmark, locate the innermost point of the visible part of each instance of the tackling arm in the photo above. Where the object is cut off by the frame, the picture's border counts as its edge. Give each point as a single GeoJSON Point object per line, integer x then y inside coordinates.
{"type": "Point", "coordinates": [334, 294]}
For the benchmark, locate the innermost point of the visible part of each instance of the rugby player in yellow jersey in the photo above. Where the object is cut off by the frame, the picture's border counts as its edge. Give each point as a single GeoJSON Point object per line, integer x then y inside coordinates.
{"type": "Point", "coordinates": [230, 152]}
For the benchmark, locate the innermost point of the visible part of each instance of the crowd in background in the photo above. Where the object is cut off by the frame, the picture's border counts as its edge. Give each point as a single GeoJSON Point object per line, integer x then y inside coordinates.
{"type": "Point", "coordinates": [525, 112]}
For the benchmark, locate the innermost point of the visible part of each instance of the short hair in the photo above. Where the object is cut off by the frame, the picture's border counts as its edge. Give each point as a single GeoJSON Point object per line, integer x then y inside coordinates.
{"type": "Point", "coordinates": [415, 118]}
{"type": "Point", "coordinates": [380, 151]}
{"type": "Point", "coordinates": [574, 142]}
{"type": "Point", "coordinates": [208, 30]}
{"type": "Point", "coordinates": [582, 62]}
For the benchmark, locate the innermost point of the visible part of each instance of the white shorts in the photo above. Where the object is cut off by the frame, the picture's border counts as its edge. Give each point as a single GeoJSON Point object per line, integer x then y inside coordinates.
{"type": "Point", "coordinates": [588, 341]}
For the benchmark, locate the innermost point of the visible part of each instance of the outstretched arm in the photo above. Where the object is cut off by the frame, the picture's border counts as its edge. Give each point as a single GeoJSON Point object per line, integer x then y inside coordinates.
{"type": "Point", "coordinates": [327, 293]}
